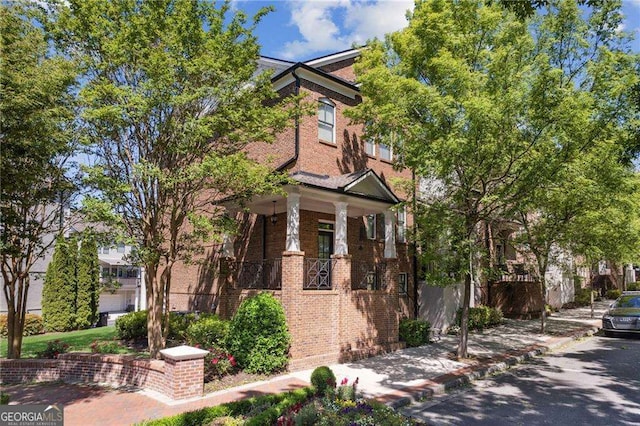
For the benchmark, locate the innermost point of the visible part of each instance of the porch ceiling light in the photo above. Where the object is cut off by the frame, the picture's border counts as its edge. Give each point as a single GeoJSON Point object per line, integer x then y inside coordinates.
{"type": "Point", "coordinates": [274, 218]}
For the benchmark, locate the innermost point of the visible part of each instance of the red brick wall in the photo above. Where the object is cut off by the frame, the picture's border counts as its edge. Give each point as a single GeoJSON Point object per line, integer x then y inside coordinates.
{"type": "Point", "coordinates": [177, 380]}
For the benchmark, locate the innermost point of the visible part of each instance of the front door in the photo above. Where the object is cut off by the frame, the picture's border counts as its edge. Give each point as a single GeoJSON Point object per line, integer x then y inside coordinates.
{"type": "Point", "coordinates": [325, 250]}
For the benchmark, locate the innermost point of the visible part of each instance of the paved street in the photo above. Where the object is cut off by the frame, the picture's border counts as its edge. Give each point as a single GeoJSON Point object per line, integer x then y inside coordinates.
{"type": "Point", "coordinates": [595, 381]}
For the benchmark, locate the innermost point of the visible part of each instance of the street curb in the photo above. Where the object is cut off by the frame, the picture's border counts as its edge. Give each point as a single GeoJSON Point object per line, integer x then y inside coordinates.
{"type": "Point", "coordinates": [466, 375]}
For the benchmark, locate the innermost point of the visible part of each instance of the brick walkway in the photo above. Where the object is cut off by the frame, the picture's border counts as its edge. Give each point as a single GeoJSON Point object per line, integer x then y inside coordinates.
{"type": "Point", "coordinates": [100, 406]}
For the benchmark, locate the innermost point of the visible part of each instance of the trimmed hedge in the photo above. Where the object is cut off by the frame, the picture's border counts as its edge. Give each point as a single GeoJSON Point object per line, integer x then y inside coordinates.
{"type": "Point", "coordinates": [132, 326]}
{"type": "Point", "coordinates": [481, 317]}
{"type": "Point", "coordinates": [258, 335]}
{"type": "Point", "coordinates": [209, 331]}
{"type": "Point", "coordinates": [322, 378]}
{"type": "Point", "coordinates": [33, 325]}
{"type": "Point", "coordinates": [262, 410]}
{"type": "Point", "coordinates": [613, 294]}
{"type": "Point", "coordinates": [414, 332]}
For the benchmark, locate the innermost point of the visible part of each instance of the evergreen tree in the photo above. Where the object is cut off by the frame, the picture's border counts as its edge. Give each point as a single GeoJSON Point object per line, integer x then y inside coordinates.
{"type": "Point", "coordinates": [88, 283]}
{"type": "Point", "coordinates": [59, 291]}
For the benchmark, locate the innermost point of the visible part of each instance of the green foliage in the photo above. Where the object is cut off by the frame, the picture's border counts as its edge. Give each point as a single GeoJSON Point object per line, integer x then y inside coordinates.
{"type": "Point", "coordinates": [33, 325]}
{"type": "Point", "coordinates": [159, 108]}
{"type": "Point", "coordinates": [132, 326]}
{"type": "Point", "coordinates": [178, 325]}
{"type": "Point", "coordinates": [59, 290]}
{"type": "Point", "coordinates": [633, 286]}
{"type": "Point", "coordinates": [481, 317]}
{"type": "Point", "coordinates": [322, 379]}
{"type": "Point", "coordinates": [88, 276]}
{"type": "Point", "coordinates": [107, 347]}
{"type": "Point", "coordinates": [613, 293]}
{"type": "Point", "coordinates": [53, 349]}
{"type": "Point", "coordinates": [258, 335]}
{"type": "Point", "coordinates": [208, 331]}
{"type": "Point", "coordinates": [583, 296]}
{"type": "Point", "coordinates": [414, 332]}
{"type": "Point", "coordinates": [4, 398]}
{"type": "Point", "coordinates": [218, 364]}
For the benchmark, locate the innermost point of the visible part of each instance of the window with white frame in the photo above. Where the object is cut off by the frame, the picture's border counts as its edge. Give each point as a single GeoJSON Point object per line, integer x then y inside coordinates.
{"type": "Point", "coordinates": [402, 225]}
{"type": "Point", "coordinates": [121, 248]}
{"type": "Point", "coordinates": [103, 250]}
{"type": "Point", "coordinates": [371, 226]}
{"type": "Point", "coordinates": [326, 120]}
{"type": "Point", "coordinates": [403, 285]}
{"type": "Point", "coordinates": [370, 148]}
{"type": "Point", "coordinates": [386, 152]}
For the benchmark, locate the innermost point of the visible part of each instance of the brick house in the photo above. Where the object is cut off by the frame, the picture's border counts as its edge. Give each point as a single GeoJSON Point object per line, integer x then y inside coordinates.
{"type": "Point", "coordinates": [334, 249]}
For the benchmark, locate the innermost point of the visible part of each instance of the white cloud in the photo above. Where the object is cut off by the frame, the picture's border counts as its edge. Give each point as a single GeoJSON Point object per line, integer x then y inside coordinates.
{"type": "Point", "coordinates": [337, 24]}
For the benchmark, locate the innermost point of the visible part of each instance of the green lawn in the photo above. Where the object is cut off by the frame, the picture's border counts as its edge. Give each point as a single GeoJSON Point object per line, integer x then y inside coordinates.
{"type": "Point", "coordinates": [77, 340]}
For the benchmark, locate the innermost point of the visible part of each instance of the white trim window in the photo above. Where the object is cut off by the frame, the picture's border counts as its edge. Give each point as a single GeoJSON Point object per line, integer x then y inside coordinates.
{"type": "Point", "coordinates": [386, 152]}
{"type": "Point", "coordinates": [370, 148]}
{"type": "Point", "coordinates": [403, 283]}
{"type": "Point", "coordinates": [371, 227]}
{"type": "Point", "coordinates": [402, 225]}
{"type": "Point", "coordinates": [326, 120]}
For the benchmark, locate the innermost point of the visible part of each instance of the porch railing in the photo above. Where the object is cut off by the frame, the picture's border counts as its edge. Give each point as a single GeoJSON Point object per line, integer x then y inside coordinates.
{"type": "Point", "coordinates": [265, 275]}
{"type": "Point", "coordinates": [516, 272]}
{"type": "Point", "coordinates": [368, 276]}
{"type": "Point", "coordinates": [317, 274]}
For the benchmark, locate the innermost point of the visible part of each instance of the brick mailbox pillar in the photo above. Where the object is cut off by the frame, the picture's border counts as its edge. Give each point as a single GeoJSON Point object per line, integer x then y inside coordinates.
{"type": "Point", "coordinates": [184, 371]}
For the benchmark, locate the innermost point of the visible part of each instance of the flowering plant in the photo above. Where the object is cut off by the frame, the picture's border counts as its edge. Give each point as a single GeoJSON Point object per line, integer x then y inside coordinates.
{"type": "Point", "coordinates": [54, 349]}
{"type": "Point", "coordinates": [218, 363]}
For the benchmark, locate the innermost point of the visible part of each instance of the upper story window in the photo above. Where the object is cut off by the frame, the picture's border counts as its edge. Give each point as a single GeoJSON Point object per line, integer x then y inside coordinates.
{"type": "Point", "coordinates": [370, 148]}
{"type": "Point", "coordinates": [326, 120]}
{"type": "Point", "coordinates": [103, 250]}
{"type": "Point", "coordinates": [386, 152]}
{"type": "Point", "coordinates": [121, 248]}
{"type": "Point", "coordinates": [402, 225]}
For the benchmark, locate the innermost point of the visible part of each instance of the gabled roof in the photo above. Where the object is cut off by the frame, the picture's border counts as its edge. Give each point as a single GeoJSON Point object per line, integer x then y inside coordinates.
{"type": "Point", "coordinates": [365, 183]}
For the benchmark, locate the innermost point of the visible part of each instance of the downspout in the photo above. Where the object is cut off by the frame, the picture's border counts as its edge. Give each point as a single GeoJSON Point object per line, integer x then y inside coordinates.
{"type": "Point", "coordinates": [297, 130]}
{"type": "Point", "coordinates": [416, 305]}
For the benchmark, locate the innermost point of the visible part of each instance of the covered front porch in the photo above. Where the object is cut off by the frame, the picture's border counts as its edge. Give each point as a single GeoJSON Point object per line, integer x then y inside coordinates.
{"type": "Point", "coordinates": [327, 249]}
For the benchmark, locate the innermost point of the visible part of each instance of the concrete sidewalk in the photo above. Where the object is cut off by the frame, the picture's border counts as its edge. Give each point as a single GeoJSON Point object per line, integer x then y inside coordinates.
{"type": "Point", "coordinates": [397, 378]}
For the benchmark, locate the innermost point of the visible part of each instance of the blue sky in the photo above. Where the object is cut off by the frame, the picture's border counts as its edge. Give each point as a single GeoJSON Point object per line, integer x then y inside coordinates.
{"type": "Point", "coordinates": [303, 29]}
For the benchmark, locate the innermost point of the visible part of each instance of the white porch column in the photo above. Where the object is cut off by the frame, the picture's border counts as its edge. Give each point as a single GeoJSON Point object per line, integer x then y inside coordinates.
{"type": "Point", "coordinates": [293, 222]}
{"type": "Point", "coordinates": [389, 235]}
{"type": "Point", "coordinates": [227, 245]}
{"type": "Point", "coordinates": [340, 234]}
{"type": "Point", "coordinates": [143, 290]}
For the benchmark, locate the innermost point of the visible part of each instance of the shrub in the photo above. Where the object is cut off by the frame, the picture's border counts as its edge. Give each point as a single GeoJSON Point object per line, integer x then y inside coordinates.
{"type": "Point", "coordinates": [346, 391]}
{"type": "Point", "coordinates": [322, 379]}
{"type": "Point", "coordinates": [4, 398]}
{"type": "Point", "coordinates": [613, 293]}
{"type": "Point", "coordinates": [178, 324]}
{"type": "Point", "coordinates": [414, 332]}
{"type": "Point", "coordinates": [33, 325]}
{"type": "Point", "coordinates": [258, 335]}
{"type": "Point", "coordinates": [106, 347]}
{"type": "Point", "coordinates": [633, 286]}
{"type": "Point", "coordinates": [54, 348]}
{"type": "Point", "coordinates": [218, 364]}
{"type": "Point", "coordinates": [481, 317]}
{"type": "Point", "coordinates": [583, 296]}
{"type": "Point", "coordinates": [132, 326]}
{"type": "Point", "coordinates": [207, 332]}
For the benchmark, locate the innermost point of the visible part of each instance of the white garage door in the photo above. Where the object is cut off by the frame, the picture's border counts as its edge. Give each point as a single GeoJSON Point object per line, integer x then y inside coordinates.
{"type": "Point", "coordinates": [111, 302]}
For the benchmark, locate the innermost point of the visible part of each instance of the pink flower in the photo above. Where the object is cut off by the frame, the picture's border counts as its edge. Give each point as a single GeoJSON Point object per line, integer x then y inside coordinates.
{"type": "Point", "coordinates": [214, 361]}
{"type": "Point", "coordinates": [232, 360]}
{"type": "Point", "coordinates": [344, 381]}
{"type": "Point", "coordinates": [197, 345]}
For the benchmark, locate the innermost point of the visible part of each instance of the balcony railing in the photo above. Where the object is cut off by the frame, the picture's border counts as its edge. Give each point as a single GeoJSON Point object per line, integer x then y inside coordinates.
{"type": "Point", "coordinates": [317, 274]}
{"type": "Point", "coordinates": [265, 275]}
{"type": "Point", "coordinates": [368, 276]}
{"type": "Point", "coordinates": [516, 272]}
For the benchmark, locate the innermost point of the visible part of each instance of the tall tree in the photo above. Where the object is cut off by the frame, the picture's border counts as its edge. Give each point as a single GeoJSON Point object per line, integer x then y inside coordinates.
{"type": "Point", "coordinates": [592, 209]}
{"type": "Point", "coordinates": [88, 281]}
{"type": "Point", "coordinates": [492, 105]}
{"type": "Point", "coordinates": [171, 95]}
{"type": "Point", "coordinates": [59, 290]}
{"type": "Point", "coordinates": [36, 112]}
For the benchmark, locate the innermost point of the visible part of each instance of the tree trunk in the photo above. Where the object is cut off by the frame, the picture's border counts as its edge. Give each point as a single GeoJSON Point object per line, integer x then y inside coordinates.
{"type": "Point", "coordinates": [16, 311]}
{"type": "Point", "coordinates": [155, 308]}
{"type": "Point", "coordinates": [543, 311]}
{"type": "Point", "coordinates": [464, 318]}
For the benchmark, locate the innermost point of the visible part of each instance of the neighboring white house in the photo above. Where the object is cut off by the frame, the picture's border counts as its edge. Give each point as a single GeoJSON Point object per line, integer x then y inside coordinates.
{"type": "Point", "coordinates": [129, 294]}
